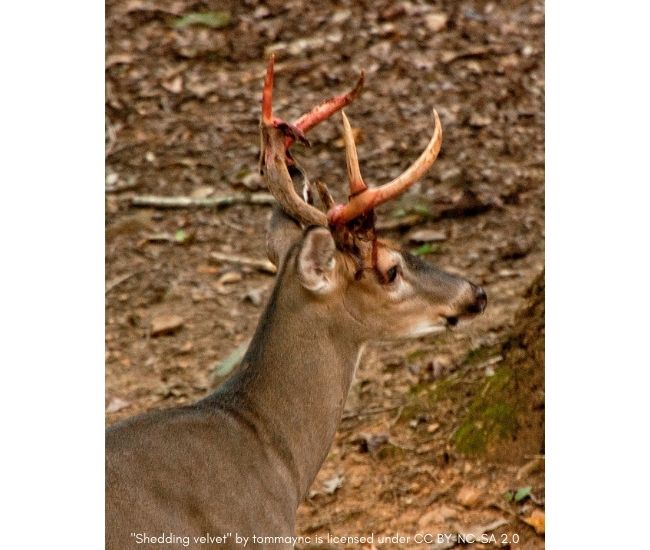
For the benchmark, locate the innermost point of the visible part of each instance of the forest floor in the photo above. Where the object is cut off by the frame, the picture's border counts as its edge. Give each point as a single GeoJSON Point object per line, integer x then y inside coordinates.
{"type": "Point", "coordinates": [182, 118]}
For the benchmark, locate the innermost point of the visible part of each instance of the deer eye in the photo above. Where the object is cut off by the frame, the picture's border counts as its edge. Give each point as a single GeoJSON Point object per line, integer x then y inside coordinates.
{"type": "Point", "coordinates": [391, 274]}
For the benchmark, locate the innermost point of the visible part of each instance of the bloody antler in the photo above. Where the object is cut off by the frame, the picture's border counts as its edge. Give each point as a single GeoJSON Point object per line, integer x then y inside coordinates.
{"type": "Point", "coordinates": [353, 222]}
{"type": "Point", "coordinates": [276, 138]}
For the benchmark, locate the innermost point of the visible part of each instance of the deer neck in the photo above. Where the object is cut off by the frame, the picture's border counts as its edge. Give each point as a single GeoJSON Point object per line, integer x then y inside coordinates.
{"type": "Point", "coordinates": [295, 378]}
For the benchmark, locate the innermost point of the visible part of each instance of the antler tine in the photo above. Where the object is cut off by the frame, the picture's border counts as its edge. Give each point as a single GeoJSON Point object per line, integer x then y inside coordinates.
{"type": "Point", "coordinates": [351, 159]}
{"type": "Point", "coordinates": [273, 159]}
{"type": "Point", "coordinates": [366, 200]}
{"type": "Point", "coordinates": [267, 92]}
{"type": "Point", "coordinates": [328, 107]}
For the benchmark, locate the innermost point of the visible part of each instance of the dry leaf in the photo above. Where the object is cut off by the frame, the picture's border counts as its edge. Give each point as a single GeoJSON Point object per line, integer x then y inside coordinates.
{"type": "Point", "coordinates": [175, 85]}
{"type": "Point", "coordinates": [229, 277]}
{"type": "Point", "coordinates": [435, 22]}
{"type": "Point", "coordinates": [165, 323]}
{"type": "Point", "coordinates": [116, 405]}
{"type": "Point", "coordinates": [536, 521]}
{"type": "Point", "coordinates": [331, 485]}
{"type": "Point", "coordinates": [205, 269]}
{"type": "Point", "coordinates": [468, 496]}
{"type": "Point", "coordinates": [119, 59]}
{"type": "Point", "coordinates": [479, 121]}
{"type": "Point", "coordinates": [426, 236]}
{"type": "Point", "coordinates": [187, 347]}
{"type": "Point", "coordinates": [431, 428]}
{"type": "Point", "coordinates": [529, 468]}
{"type": "Point", "coordinates": [439, 515]}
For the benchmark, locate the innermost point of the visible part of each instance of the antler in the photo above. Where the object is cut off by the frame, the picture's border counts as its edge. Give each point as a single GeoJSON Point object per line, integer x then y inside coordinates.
{"type": "Point", "coordinates": [276, 138]}
{"type": "Point", "coordinates": [352, 223]}
{"type": "Point", "coordinates": [362, 199]}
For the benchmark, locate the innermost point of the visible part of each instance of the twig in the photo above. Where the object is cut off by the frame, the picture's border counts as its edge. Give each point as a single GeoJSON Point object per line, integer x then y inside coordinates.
{"type": "Point", "coordinates": [122, 187]}
{"type": "Point", "coordinates": [152, 201]}
{"type": "Point", "coordinates": [261, 264]}
{"type": "Point", "coordinates": [117, 281]}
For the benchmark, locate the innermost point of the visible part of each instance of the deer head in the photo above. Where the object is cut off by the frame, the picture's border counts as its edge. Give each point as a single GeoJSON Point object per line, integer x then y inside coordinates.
{"type": "Point", "coordinates": [336, 255]}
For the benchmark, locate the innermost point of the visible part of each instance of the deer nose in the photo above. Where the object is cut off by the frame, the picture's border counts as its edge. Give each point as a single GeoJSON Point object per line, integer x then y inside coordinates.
{"type": "Point", "coordinates": [480, 300]}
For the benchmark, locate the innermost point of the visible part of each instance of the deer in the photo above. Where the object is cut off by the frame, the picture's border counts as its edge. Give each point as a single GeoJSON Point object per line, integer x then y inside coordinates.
{"type": "Point", "coordinates": [234, 466]}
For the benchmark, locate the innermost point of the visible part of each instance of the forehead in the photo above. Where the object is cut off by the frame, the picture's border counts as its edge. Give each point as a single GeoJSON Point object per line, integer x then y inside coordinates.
{"type": "Point", "coordinates": [388, 254]}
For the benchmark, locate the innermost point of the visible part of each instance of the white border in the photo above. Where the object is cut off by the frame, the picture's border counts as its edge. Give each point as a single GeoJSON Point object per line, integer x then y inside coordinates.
{"type": "Point", "coordinates": [52, 290]}
{"type": "Point", "coordinates": [597, 185]}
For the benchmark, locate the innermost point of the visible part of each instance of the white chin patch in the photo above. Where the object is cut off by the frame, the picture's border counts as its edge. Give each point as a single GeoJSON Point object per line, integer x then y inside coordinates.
{"type": "Point", "coordinates": [424, 329]}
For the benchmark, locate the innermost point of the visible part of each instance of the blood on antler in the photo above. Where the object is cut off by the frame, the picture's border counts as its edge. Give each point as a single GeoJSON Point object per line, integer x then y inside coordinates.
{"type": "Point", "coordinates": [352, 223]}
{"type": "Point", "coordinates": [277, 136]}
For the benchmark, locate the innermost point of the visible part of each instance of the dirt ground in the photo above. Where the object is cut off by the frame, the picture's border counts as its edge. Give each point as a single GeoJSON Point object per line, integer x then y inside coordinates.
{"type": "Point", "coordinates": [182, 120]}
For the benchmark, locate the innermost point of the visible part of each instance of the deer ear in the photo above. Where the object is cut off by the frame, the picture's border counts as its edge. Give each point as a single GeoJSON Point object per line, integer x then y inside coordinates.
{"type": "Point", "coordinates": [316, 261]}
{"type": "Point", "coordinates": [282, 232]}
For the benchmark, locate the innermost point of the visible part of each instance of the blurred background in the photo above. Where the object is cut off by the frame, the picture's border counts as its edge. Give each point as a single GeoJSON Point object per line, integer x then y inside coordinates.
{"type": "Point", "coordinates": [442, 434]}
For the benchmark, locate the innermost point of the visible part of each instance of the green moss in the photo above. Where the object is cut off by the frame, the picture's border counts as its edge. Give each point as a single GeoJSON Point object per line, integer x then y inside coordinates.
{"type": "Point", "coordinates": [492, 415]}
{"type": "Point", "coordinates": [504, 418]}
{"type": "Point", "coordinates": [424, 396]}
{"type": "Point", "coordinates": [470, 438]}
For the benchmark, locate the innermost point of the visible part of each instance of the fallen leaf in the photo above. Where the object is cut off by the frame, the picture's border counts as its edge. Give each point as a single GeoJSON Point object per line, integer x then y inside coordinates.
{"type": "Point", "coordinates": [437, 516]}
{"type": "Point", "coordinates": [536, 521]}
{"type": "Point", "coordinates": [530, 468]}
{"type": "Point", "coordinates": [334, 483]}
{"type": "Point", "coordinates": [479, 121]}
{"type": "Point", "coordinates": [426, 248]}
{"type": "Point", "coordinates": [522, 493]}
{"type": "Point", "coordinates": [451, 176]}
{"type": "Point", "coordinates": [426, 235]}
{"type": "Point", "coordinates": [468, 496]}
{"type": "Point", "coordinates": [174, 85]}
{"type": "Point", "coordinates": [187, 347]}
{"type": "Point", "coordinates": [119, 59]}
{"type": "Point", "coordinates": [116, 405]}
{"type": "Point", "coordinates": [435, 22]}
{"type": "Point", "coordinates": [180, 236]}
{"type": "Point", "coordinates": [261, 12]}
{"type": "Point", "coordinates": [205, 269]}
{"type": "Point", "coordinates": [229, 277]}
{"type": "Point", "coordinates": [431, 428]}
{"type": "Point", "coordinates": [253, 181]}
{"type": "Point", "coordinates": [165, 323]}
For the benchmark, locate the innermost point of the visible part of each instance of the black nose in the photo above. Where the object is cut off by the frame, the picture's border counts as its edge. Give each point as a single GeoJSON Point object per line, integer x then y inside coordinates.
{"type": "Point", "coordinates": [480, 300]}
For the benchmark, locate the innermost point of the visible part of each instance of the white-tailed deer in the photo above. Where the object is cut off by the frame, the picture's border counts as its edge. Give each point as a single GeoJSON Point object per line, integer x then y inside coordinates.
{"type": "Point", "coordinates": [240, 461]}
